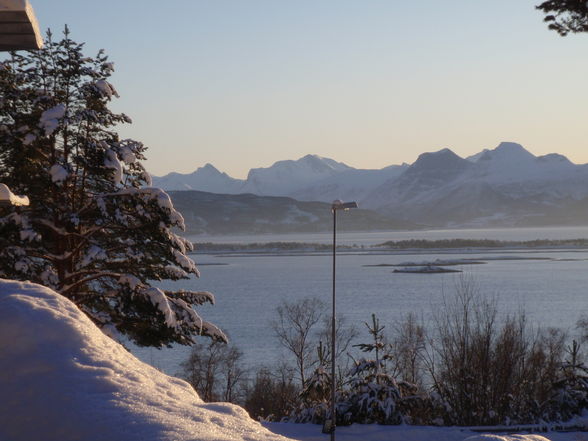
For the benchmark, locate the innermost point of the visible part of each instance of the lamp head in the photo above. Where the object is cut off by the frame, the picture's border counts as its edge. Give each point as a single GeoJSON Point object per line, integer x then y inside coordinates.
{"type": "Point", "coordinates": [340, 205]}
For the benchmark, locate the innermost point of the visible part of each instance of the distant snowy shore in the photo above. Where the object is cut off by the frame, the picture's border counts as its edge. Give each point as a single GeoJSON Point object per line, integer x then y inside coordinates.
{"type": "Point", "coordinates": [461, 246]}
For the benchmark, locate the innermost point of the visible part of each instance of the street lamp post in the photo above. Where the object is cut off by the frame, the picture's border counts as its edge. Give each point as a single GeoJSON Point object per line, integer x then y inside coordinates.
{"type": "Point", "coordinates": [331, 423]}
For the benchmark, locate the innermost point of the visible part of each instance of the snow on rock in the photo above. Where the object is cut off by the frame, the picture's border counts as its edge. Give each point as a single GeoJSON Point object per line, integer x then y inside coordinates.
{"type": "Point", "coordinates": [8, 196]}
{"type": "Point", "coordinates": [62, 379]}
{"type": "Point", "coordinates": [58, 173]}
{"type": "Point", "coordinates": [49, 120]}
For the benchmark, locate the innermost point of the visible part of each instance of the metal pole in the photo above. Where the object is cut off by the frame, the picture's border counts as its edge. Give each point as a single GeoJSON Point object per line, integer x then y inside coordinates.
{"type": "Point", "coordinates": [333, 414]}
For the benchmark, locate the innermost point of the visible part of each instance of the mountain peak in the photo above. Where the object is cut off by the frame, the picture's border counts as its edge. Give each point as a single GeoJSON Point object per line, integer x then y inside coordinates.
{"type": "Point", "coordinates": [511, 147]}
{"type": "Point", "coordinates": [553, 158]}
{"type": "Point", "coordinates": [205, 178]}
{"type": "Point", "coordinates": [435, 167]}
{"type": "Point", "coordinates": [208, 168]}
{"type": "Point", "coordinates": [207, 171]}
{"type": "Point", "coordinates": [439, 158]}
{"type": "Point", "coordinates": [322, 162]}
{"type": "Point", "coordinates": [509, 151]}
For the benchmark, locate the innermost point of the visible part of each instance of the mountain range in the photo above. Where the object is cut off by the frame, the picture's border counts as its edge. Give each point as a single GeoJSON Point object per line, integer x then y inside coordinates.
{"type": "Point", "coordinates": [310, 178]}
{"type": "Point", "coordinates": [504, 186]}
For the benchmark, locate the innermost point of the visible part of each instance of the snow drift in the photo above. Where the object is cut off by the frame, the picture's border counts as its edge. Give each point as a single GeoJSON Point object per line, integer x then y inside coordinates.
{"type": "Point", "coordinates": [62, 379]}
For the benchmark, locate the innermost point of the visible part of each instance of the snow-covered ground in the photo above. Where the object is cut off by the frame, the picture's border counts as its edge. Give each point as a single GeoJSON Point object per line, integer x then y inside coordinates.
{"type": "Point", "coordinates": [374, 432]}
{"type": "Point", "coordinates": [62, 379]}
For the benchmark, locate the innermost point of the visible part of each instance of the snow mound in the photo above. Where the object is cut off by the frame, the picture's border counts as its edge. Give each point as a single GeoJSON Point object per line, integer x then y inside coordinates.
{"type": "Point", "coordinates": [62, 379]}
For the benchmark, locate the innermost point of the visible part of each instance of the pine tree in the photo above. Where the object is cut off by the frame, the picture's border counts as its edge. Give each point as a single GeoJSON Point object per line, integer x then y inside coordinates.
{"type": "Point", "coordinates": [314, 406]}
{"type": "Point", "coordinates": [374, 394]}
{"type": "Point", "coordinates": [570, 390]}
{"type": "Point", "coordinates": [94, 231]}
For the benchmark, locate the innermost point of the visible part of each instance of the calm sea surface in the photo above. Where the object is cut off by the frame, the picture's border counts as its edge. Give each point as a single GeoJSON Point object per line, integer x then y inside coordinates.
{"type": "Point", "coordinates": [549, 285]}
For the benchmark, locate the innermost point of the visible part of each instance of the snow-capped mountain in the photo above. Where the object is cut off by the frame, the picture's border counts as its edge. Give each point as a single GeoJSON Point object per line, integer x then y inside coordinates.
{"type": "Point", "coordinates": [310, 178]}
{"type": "Point", "coordinates": [352, 184]}
{"type": "Point", "coordinates": [420, 181]}
{"type": "Point", "coordinates": [504, 186]}
{"type": "Point", "coordinates": [206, 178]}
{"type": "Point", "coordinates": [283, 178]}
{"type": "Point", "coordinates": [286, 177]}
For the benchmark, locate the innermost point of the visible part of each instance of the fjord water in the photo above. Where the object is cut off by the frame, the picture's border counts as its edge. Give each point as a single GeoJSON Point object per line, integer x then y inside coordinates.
{"type": "Point", "coordinates": [548, 285]}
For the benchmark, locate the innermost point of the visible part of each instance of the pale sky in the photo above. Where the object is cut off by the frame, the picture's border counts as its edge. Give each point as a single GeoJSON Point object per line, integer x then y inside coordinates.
{"type": "Point", "coordinates": [244, 83]}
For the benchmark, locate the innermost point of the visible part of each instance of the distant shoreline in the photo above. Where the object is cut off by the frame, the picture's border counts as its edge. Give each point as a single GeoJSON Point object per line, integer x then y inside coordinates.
{"type": "Point", "coordinates": [418, 245]}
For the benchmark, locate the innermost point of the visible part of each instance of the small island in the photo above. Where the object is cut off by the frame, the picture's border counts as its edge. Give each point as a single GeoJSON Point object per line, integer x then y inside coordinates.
{"type": "Point", "coordinates": [426, 269]}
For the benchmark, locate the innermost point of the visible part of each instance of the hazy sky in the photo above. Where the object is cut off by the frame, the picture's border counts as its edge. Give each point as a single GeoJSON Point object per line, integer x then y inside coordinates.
{"type": "Point", "coordinates": [244, 83]}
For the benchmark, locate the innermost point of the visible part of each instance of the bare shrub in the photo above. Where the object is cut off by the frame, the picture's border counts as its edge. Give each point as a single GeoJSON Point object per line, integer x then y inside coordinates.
{"type": "Point", "coordinates": [408, 349]}
{"type": "Point", "coordinates": [294, 329]}
{"type": "Point", "coordinates": [302, 326]}
{"type": "Point", "coordinates": [273, 394]}
{"type": "Point", "coordinates": [490, 372]}
{"type": "Point", "coordinates": [215, 371]}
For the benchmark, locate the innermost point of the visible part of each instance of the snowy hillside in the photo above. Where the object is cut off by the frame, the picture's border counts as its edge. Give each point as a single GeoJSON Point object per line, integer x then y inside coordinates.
{"type": "Point", "coordinates": [352, 184]}
{"type": "Point", "coordinates": [62, 379]}
{"type": "Point", "coordinates": [418, 184]}
{"type": "Point", "coordinates": [211, 213]}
